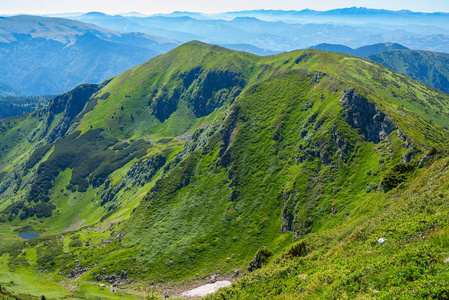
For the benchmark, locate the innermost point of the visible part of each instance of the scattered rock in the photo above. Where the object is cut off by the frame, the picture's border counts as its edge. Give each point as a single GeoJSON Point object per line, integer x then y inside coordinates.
{"type": "Point", "coordinates": [101, 285]}
{"type": "Point", "coordinates": [381, 241]}
{"type": "Point", "coordinates": [236, 273]}
{"type": "Point", "coordinates": [213, 278]}
{"type": "Point", "coordinates": [424, 160]}
{"type": "Point", "coordinates": [302, 277]}
{"type": "Point", "coordinates": [407, 157]}
{"type": "Point", "coordinates": [446, 261]}
{"type": "Point", "coordinates": [124, 274]}
{"type": "Point", "coordinates": [318, 77]}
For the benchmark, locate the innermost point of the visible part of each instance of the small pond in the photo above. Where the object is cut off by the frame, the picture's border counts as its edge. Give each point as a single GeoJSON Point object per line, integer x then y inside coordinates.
{"type": "Point", "coordinates": [28, 235]}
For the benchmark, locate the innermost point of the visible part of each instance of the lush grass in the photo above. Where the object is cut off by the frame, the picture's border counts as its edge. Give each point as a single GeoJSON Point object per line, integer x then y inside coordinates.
{"type": "Point", "coordinates": [239, 152]}
{"type": "Point", "coordinates": [348, 262]}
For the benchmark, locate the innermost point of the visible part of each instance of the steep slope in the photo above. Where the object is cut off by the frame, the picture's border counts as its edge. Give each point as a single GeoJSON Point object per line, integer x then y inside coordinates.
{"type": "Point", "coordinates": [430, 68]}
{"type": "Point", "coordinates": [47, 56]}
{"type": "Point", "coordinates": [391, 246]}
{"type": "Point", "coordinates": [191, 162]}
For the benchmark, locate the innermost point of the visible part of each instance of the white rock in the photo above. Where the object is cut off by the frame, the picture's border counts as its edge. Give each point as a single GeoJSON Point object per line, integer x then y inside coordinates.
{"type": "Point", "coordinates": [206, 289]}
{"type": "Point", "coordinates": [381, 241]}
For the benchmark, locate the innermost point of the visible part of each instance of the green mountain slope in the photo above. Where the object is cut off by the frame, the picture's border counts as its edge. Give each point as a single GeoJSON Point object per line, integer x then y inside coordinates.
{"type": "Point", "coordinates": [191, 162]}
{"type": "Point", "coordinates": [350, 260]}
{"type": "Point", "coordinates": [428, 67]}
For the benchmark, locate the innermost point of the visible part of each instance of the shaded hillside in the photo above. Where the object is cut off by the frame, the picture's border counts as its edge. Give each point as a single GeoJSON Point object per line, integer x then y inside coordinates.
{"type": "Point", "coordinates": [191, 162]}
{"type": "Point", "coordinates": [431, 68]}
{"type": "Point", "coordinates": [47, 56]}
{"type": "Point", "coordinates": [15, 106]}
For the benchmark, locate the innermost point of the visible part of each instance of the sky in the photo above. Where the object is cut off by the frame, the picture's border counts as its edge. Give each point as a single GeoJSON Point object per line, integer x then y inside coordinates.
{"type": "Point", "coordinates": [207, 6]}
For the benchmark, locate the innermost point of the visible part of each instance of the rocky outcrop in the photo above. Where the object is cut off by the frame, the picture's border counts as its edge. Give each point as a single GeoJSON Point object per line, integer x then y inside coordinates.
{"type": "Point", "coordinates": [364, 115]}
{"type": "Point", "coordinates": [78, 271]}
{"type": "Point", "coordinates": [114, 279]}
{"type": "Point", "coordinates": [70, 105]}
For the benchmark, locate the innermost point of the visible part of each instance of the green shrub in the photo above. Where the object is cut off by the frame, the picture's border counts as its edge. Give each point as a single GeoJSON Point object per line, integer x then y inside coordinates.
{"type": "Point", "coordinates": [260, 258]}
{"type": "Point", "coordinates": [37, 155]}
{"type": "Point", "coordinates": [397, 175]}
{"type": "Point", "coordinates": [76, 243]}
{"type": "Point", "coordinates": [297, 250]}
{"type": "Point", "coordinates": [307, 105]}
{"type": "Point", "coordinates": [92, 161]}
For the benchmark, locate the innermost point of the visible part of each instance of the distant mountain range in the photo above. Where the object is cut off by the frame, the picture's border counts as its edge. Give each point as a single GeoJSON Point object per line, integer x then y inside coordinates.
{"type": "Point", "coordinates": [288, 30]}
{"type": "Point", "coordinates": [361, 51]}
{"type": "Point", "coordinates": [350, 15]}
{"type": "Point", "coordinates": [41, 56]}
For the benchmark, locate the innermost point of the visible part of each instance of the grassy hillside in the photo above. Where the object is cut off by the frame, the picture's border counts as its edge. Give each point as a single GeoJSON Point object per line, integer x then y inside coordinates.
{"type": "Point", "coordinates": [190, 163]}
{"type": "Point", "coordinates": [428, 67]}
{"type": "Point", "coordinates": [350, 260]}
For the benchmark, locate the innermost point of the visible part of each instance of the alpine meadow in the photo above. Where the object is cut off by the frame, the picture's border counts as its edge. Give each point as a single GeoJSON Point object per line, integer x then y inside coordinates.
{"type": "Point", "coordinates": [305, 174]}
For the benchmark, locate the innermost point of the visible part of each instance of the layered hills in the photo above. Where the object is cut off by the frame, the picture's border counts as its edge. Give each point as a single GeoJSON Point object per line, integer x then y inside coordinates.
{"type": "Point", "coordinates": [48, 56]}
{"type": "Point", "coordinates": [288, 30]}
{"type": "Point", "coordinates": [361, 51]}
{"type": "Point", "coordinates": [187, 165]}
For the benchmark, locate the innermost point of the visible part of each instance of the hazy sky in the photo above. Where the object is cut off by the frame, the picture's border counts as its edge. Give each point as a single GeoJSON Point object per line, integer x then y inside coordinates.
{"type": "Point", "coordinates": [164, 6]}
